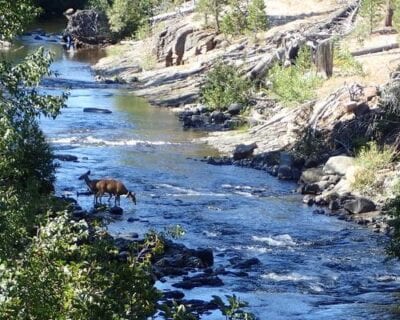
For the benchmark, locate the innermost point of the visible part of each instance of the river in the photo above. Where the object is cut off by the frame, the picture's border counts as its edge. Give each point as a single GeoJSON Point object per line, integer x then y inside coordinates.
{"type": "Point", "coordinates": [312, 266]}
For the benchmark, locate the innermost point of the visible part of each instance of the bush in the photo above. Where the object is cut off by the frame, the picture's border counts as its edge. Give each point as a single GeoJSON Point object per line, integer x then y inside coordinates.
{"type": "Point", "coordinates": [224, 86]}
{"type": "Point", "coordinates": [369, 161]}
{"type": "Point", "coordinates": [125, 16]}
{"type": "Point", "coordinates": [296, 83]}
{"type": "Point", "coordinates": [345, 62]}
{"type": "Point", "coordinates": [235, 21]}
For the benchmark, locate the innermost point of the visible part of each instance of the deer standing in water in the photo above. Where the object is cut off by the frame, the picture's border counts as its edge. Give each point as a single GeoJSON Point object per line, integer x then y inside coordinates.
{"type": "Point", "coordinates": [112, 187]}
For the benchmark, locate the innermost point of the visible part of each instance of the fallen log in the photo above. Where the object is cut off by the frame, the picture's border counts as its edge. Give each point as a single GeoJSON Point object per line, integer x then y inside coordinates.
{"type": "Point", "coordinates": [375, 50]}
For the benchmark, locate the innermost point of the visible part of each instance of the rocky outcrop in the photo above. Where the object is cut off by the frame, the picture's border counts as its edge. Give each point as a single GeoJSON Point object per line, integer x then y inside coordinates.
{"type": "Point", "coordinates": [176, 41]}
{"type": "Point", "coordinates": [88, 27]}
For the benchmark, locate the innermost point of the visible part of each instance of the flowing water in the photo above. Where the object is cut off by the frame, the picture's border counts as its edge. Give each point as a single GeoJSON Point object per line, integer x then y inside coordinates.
{"type": "Point", "coordinates": [313, 266]}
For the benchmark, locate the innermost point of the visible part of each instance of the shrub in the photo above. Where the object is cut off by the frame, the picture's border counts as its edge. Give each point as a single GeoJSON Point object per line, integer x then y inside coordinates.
{"type": "Point", "coordinates": [345, 62]}
{"type": "Point", "coordinates": [235, 21]}
{"type": "Point", "coordinates": [224, 86]}
{"type": "Point", "coordinates": [296, 83]}
{"type": "Point", "coordinates": [126, 16]}
{"type": "Point", "coordinates": [369, 160]}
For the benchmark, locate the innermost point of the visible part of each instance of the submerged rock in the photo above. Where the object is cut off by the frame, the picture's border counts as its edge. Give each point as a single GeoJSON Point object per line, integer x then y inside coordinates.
{"type": "Point", "coordinates": [199, 281]}
{"type": "Point", "coordinates": [116, 210]}
{"type": "Point", "coordinates": [66, 157]}
{"type": "Point", "coordinates": [97, 110]}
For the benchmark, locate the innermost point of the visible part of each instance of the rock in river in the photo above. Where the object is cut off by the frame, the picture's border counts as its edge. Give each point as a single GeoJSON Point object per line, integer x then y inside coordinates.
{"type": "Point", "coordinates": [360, 205]}
{"type": "Point", "coordinates": [243, 151]}
{"type": "Point", "coordinates": [97, 110]}
{"type": "Point", "coordinates": [66, 157]}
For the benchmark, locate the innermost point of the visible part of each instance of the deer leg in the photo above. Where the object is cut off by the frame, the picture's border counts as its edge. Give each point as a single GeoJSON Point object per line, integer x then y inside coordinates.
{"type": "Point", "coordinates": [99, 195]}
{"type": "Point", "coordinates": [117, 199]}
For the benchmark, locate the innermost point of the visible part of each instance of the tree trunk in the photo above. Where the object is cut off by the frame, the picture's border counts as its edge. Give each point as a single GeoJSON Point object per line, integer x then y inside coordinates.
{"type": "Point", "coordinates": [324, 58]}
{"type": "Point", "coordinates": [389, 14]}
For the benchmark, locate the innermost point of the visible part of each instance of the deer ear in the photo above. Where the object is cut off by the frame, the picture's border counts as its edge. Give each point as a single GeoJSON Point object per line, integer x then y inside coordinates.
{"type": "Point", "coordinates": [88, 172]}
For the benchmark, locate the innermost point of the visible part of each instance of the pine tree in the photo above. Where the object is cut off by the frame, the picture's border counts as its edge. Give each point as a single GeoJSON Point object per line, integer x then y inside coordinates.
{"type": "Point", "coordinates": [257, 18]}
{"type": "Point", "coordinates": [371, 10]}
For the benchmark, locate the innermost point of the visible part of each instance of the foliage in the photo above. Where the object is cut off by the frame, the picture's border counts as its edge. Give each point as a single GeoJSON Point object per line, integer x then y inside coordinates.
{"type": "Point", "coordinates": [369, 161]}
{"type": "Point", "coordinates": [244, 17]}
{"type": "Point", "coordinates": [296, 83]}
{"type": "Point", "coordinates": [177, 312]}
{"type": "Point", "coordinates": [71, 272]}
{"type": "Point", "coordinates": [100, 5]}
{"type": "Point", "coordinates": [126, 16]}
{"type": "Point", "coordinates": [26, 167]}
{"type": "Point", "coordinates": [224, 86]}
{"type": "Point", "coordinates": [14, 16]}
{"type": "Point", "coordinates": [235, 21]}
{"type": "Point", "coordinates": [345, 62]}
{"type": "Point", "coordinates": [211, 8]}
{"type": "Point", "coordinates": [257, 19]}
{"type": "Point", "coordinates": [233, 310]}
{"type": "Point", "coordinates": [371, 10]}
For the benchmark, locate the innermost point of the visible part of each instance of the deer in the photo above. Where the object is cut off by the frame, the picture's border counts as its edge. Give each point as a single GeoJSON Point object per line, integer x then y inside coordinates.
{"type": "Point", "coordinates": [112, 187]}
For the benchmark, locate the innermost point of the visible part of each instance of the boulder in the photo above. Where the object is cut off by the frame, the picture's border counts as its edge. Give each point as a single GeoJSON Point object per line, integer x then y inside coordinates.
{"type": "Point", "coordinates": [217, 117]}
{"type": "Point", "coordinates": [311, 175]}
{"type": "Point", "coordinates": [311, 188]}
{"type": "Point", "coordinates": [88, 27]}
{"type": "Point", "coordinates": [206, 256]}
{"type": "Point", "coordinates": [235, 108]}
{"type": "Point", "coordinates": [199, 281]}
{"type": "Point", "coordinates": [286, 159]}
{"type": "Point", "coordinates": [334, 205]}
{"type": "Point", "coordinates": [338, 165]}
{"type": "Point", "coordinates": [370, 92]}
{"type": "Point", "coordinates": [243, 151]}
{"type": "Point", "coordinates": [360, 205]}
{"type": "Point", "coordinates": [246, 264]}
{"type": "Point", "coordinates": [285, 172]}
{"type": "Point", "coordinates": [181, 40]}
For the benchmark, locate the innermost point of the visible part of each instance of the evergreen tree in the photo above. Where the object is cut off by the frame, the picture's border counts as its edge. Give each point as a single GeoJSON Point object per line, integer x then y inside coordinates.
{"type": "Point", "coordinates": [371, 10]}
{"type": "Point", "coordinates": [257, 19]}
{"type": "Point", "coordinates": [212, 8]}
